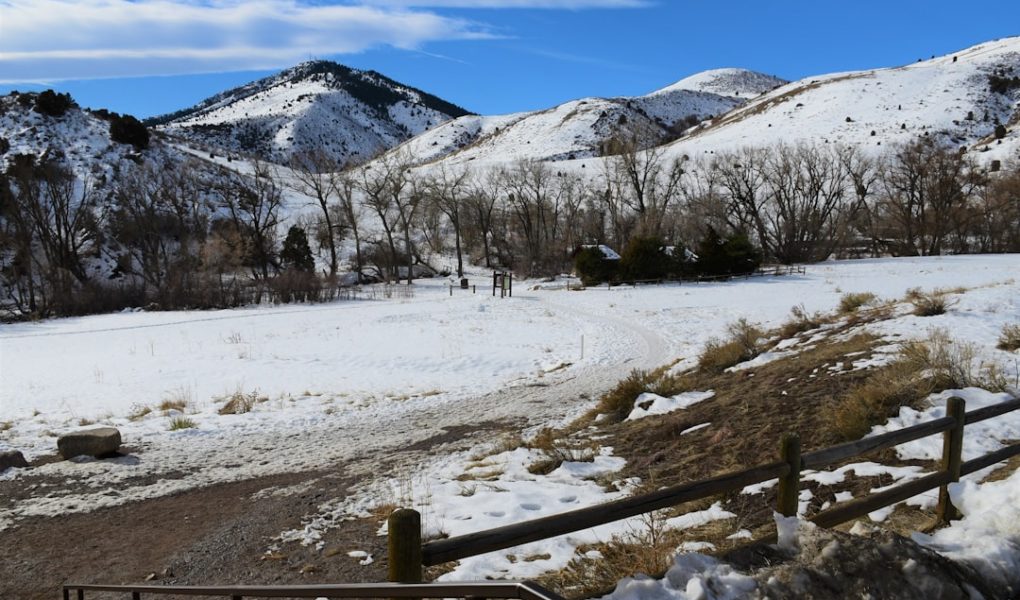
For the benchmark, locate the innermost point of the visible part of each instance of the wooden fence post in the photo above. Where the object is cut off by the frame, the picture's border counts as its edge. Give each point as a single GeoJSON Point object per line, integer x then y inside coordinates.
{"type": "Point", "coordinates": [952, 457]}
{"type": "Point", "coordinates": [404, 540]}
{"type": "Point", "coordinates": [789, 486]}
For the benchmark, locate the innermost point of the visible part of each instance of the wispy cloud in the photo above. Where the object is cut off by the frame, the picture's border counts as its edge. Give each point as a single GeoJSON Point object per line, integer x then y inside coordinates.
{"type": "Point", "coordinates": [541, 4]}
{"type": "Point", "coordinates": [585, 60]}
{"type": "Point", "coordinates": [79, 39]}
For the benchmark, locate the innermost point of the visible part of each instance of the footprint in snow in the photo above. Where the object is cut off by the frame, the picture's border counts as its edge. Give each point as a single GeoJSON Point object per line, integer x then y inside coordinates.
{"type": "Point", "coordinates": [568, 499]}
{"type": "Point", "coordinates": [530, 506]}
{"type": "Point", "coordinates": [495, 513]}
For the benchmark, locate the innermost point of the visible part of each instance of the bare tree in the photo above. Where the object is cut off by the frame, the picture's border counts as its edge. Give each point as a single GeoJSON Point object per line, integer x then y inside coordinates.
{"type": "Point", "coordinates": [253, 203]}
{"type": "Point", "coordinates": [450, 190]}
{"type": "Point", "coordinates": [316, 175]}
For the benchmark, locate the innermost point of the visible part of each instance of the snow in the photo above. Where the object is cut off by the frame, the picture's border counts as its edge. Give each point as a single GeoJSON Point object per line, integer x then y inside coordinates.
{"type": "Point", "coordinates": [898, 104]}
{"type": "Point", "coordinates": [988, 536]}
{"type": "Point", "coordinates": [648, 404]}
{"type": "Point", "coordinates": [346, 377]}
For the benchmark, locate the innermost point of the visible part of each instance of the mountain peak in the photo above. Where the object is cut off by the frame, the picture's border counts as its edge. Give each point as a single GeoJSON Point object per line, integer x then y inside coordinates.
{"type": "Point", "coordinates": [322, 105]}
{"type": "Point", "coordinates": [741, 83]}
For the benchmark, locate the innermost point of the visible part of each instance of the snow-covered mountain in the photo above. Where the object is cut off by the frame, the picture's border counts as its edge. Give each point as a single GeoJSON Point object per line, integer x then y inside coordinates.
{"type": "Point", "coordinates": [580, 128]}
{"type": "Point", "coordinates": [78, 139]}
{"type": "Point", "coordinates": [350, 114]}
{"type": "Point", "coordinates": [959, 98]}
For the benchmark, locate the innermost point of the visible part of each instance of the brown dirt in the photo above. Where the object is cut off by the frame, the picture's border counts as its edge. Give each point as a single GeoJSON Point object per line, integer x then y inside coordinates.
{"type": "Point", "coordinates": [217, 535]}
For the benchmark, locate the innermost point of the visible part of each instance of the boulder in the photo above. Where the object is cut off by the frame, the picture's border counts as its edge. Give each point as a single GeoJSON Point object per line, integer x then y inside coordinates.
{"type": "Point", "coordinates": [12, 459]}
{"type": "Point", "coordinates": [98, 441]}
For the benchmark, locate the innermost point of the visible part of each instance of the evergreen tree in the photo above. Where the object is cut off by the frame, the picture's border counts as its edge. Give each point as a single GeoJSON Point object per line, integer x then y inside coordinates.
{"type": "Point", "coordinates": [296, 253]}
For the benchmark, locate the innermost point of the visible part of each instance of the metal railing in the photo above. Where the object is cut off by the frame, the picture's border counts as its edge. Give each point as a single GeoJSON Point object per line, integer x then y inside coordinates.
{"type": "Point", "coordinates": [521, 590]}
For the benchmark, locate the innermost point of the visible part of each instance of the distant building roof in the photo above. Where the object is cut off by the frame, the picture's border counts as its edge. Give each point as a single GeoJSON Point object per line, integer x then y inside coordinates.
{"type": "Point", "coordinates": [607, 252]}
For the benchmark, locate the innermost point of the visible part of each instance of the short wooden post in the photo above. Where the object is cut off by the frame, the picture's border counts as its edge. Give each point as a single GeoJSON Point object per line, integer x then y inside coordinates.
{"type": "Point", "coordinates": [952, 457]}
{"type": "Point", "coordinates": [404, 538]}
{"type": "Point", "coordinates": [789, 485]}
{"type": "Point", "coordinates": [67, 594]}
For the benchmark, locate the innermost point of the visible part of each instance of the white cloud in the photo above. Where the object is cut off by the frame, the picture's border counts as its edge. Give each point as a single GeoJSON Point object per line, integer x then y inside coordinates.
{"type": "Point", "coordinates": [544, 4]}
{"type": "Point", "coordinates": [81, 39]}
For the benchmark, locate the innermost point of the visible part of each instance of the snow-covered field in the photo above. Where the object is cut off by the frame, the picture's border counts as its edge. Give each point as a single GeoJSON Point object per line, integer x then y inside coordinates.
{"type": "Point", "coordinates": [338, 378]}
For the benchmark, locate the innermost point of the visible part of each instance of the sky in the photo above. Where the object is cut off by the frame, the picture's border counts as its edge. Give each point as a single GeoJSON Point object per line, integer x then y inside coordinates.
{"type": "Point", "coordinates": [149, 57]}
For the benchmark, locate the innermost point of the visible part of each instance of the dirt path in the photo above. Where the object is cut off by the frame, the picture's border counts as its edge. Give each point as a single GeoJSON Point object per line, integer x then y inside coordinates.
{"type": "Point", "coordinates": [208, 515]}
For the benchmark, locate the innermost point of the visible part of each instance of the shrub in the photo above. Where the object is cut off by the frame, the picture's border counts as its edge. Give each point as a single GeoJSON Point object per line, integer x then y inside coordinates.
{"type": "Point", "coordinates": [734, 255]}
{"type": "Point", "coordinates": [1009, 338]}
{"type": "Point", "coordinates": [53, 104]}
{"type": "Point", "coordinates": [645, 258]}
{"type": "Point", "coordinates": [849, 303]}
{"type": "Point", "coordinates": [1000, 131]}
{"type": "Point", "coordinates": [129, 130]}
{"type": "Point", "coordinates": [593, 267]}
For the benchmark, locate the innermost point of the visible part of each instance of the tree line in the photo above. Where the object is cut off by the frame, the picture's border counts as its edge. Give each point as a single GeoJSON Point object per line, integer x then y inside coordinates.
{"type": "Point", "coordinates": [191, 234]}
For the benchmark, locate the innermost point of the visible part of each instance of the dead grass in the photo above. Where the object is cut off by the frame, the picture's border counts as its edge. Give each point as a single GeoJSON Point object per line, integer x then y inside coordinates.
{"type": "Point", "coordinates": [849, 303]}
{"type": "Point", "coordinates": [240, 403]}
{"type": "Point", "coordinates": [800, 321]}
{"type": "Point", "coordinates": [139, 412]}
{"type": "Point", "coordinates": [925, 366]}
{"type": "Point", "coordinates": [178, 423]}
{"type": "Point", "coordinates": [743, 342]}
{"type": "Point", "coordinates": [619, 401]}
{"type": "Point", "coordinates": [558, 449]}
{"type": "Point", "coordinates": [929, 304]}
{"type": "Point", "coordinates": [1009, 337]}
{"type": "Point", "coordinates": [178, 399]}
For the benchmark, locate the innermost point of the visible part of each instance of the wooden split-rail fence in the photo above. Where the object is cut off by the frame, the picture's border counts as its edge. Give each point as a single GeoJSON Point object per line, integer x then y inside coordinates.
{"type": "Point", "coordinates": [408, 554]}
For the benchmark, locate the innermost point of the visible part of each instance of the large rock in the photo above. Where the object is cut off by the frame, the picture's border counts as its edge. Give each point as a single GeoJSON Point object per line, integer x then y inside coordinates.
{"type": "Point", "coordinates": [12, 458]}
{"type": "Point", "coordinates": [98, 441]}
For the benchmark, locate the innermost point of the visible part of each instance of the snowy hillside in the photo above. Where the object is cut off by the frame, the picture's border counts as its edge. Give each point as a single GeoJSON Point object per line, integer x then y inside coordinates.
{"type": "Point", "coordinates": [78, 139]}
{"type": "Point", "coordinates": [960, 98]}
{"type": "Point", "coordinates": [577, 129]}
{"type": "Point", "coordinates": [321, 105]}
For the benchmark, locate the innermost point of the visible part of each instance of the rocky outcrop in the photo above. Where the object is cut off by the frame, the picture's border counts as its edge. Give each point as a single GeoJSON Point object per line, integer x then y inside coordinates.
{"type": "Point", "coordinates": [98, 441]}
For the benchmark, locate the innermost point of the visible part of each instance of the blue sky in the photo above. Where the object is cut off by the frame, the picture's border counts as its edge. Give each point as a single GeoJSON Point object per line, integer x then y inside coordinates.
{"type": "Point", "coordinates": [147, 57]}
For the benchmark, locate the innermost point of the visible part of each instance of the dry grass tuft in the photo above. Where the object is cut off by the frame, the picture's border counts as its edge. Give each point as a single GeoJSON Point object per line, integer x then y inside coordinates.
{"type": "Point", "coordinates": [558, 450]}
{"type": "Point", "coordinates": [1009, 337]}
{"type": "Point", "coordinates": [178, 399]}
{"type": "Point", "coordinates": [178, 423]}
{"type": "Point", "coordinates": [139, 412]}
{"type": "Point", "coordinates": [800, 321]}
{"type": "Point", "coordinates": [619, 401]}
{"type": "Point", "coordinates": [743, 343]}
{"type": "Point", "coordinates": [239, 403]}
{"type": "Point", "coordinates": [929, 304]}
{"type": "Point", "coordinates": [937, 363]}
{"type": "Point", "coordinates": [852, 301]}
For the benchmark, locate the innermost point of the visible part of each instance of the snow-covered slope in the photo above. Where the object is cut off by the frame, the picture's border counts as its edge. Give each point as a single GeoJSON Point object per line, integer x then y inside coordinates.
{"type": "Point", "coordinates": [951, 97]}
{"type": "Point", "coordinates": [579, 128]}
{"type": "Point", "coordinates": [350, 114]}
{"type": "Point", "coordinates": [77, 139]}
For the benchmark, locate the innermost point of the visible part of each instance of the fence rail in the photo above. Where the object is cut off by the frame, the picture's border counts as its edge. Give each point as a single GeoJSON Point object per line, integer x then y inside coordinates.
{"type": "Point", "coordinates": [404, 525]}
{"type": "Point", "coordinates": [522, 590]}
{"type": "Point", "coordinates": [408, 555]}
